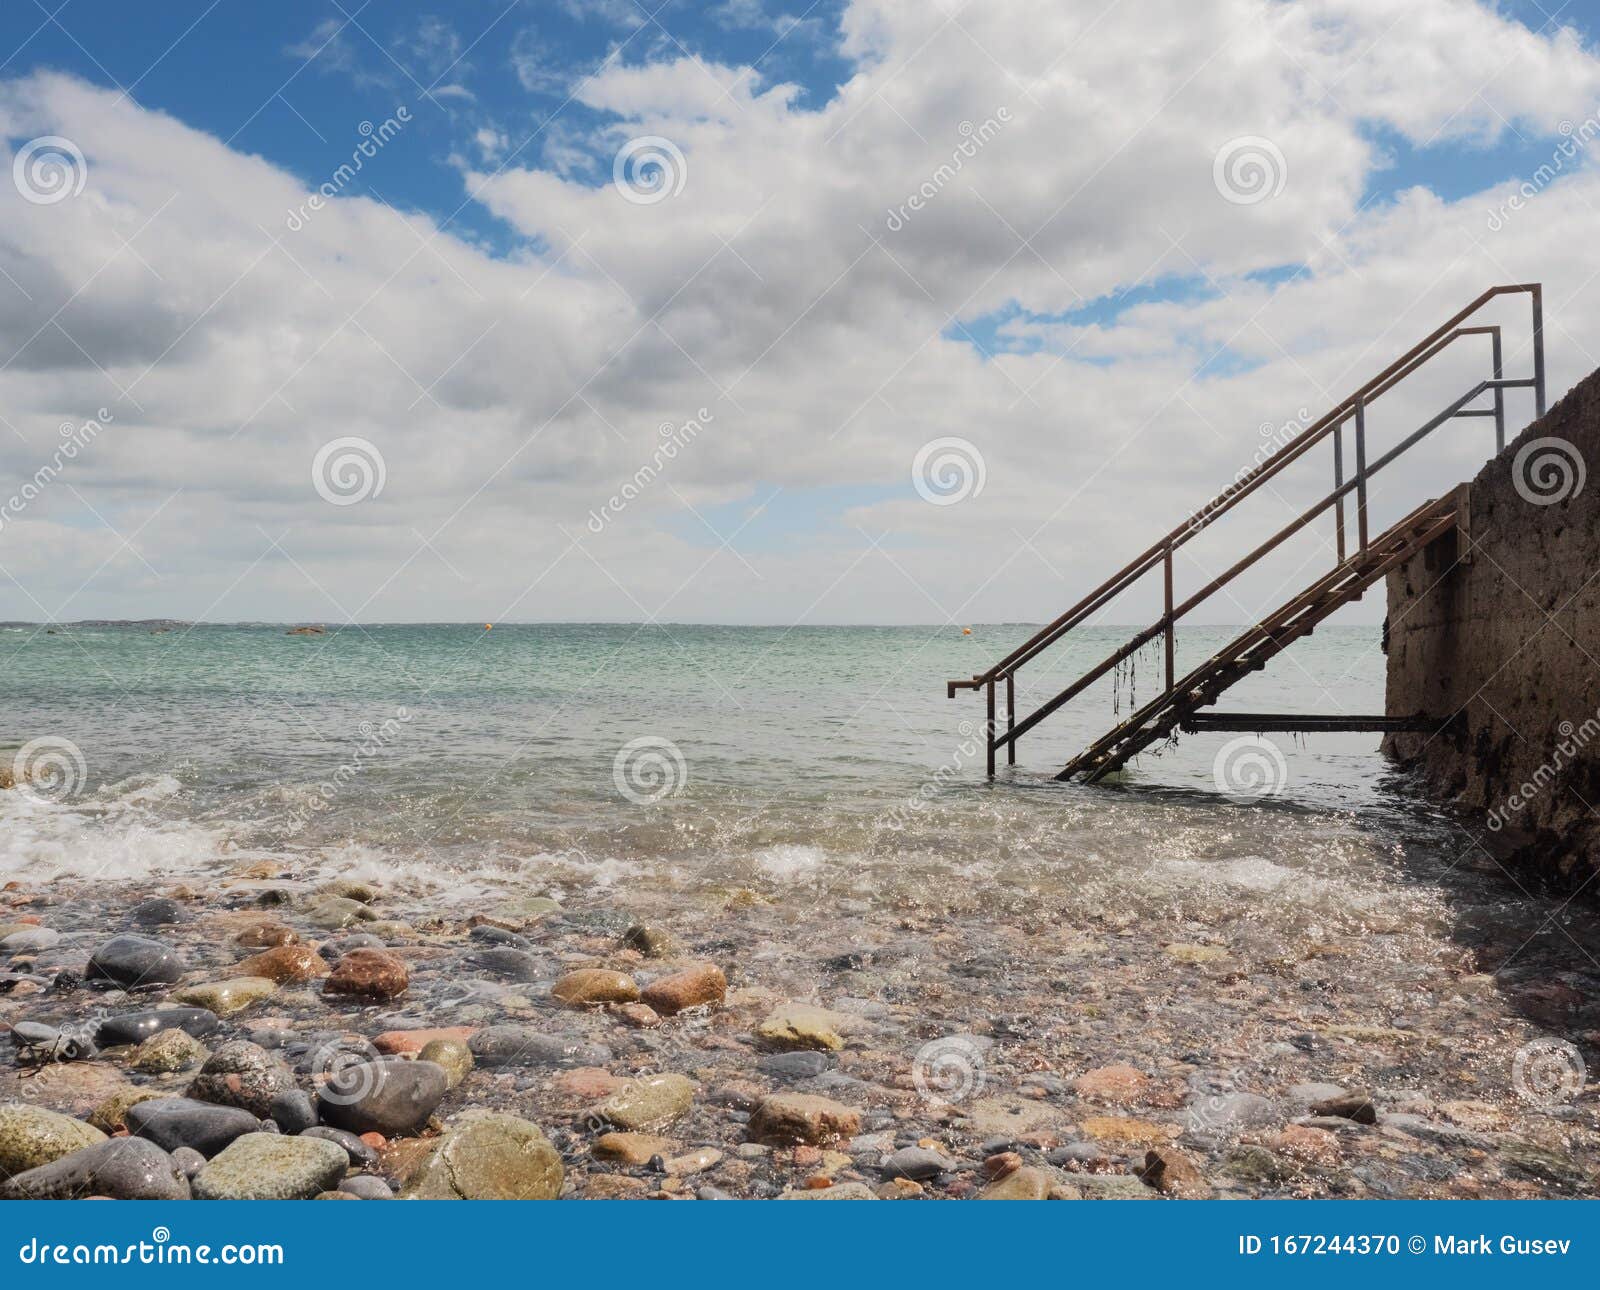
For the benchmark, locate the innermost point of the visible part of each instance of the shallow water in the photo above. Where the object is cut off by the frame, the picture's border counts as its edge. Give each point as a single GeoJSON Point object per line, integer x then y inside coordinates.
{"type": "Point", "coordinates": [806, 807]}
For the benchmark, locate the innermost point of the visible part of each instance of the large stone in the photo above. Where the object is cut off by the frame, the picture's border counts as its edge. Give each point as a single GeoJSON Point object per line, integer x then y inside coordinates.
{"type": "Point", "coordinates": [121, 1168]}
{"type": "Point", "coordinates": [167, 1051]}
{"type": "Point", "coordinates": [798, 1025]}
{"type": "Point", "coordinates": [632, 1148]}
{"type": "Point", "coordinates": [270, 1166]}
{"type": "Point", "coordinates": [594, 985]}
{"type": "Point", "coordinates": [30, 940]}
{"type": "Point", "coordinates": [285, 964]}
{"type": "Point", "coordinates": [839, 1191]}
{"type": "Point", "coordinates": [173, 1122]}
{"type": "Point", "coordinates": [1117, 1085]}
{"type": "Point", "coordinates": [414, 1041]}
{"type": "Point", "coordinates": [110, 1115]}
{"type": "Point", "coordinates": [242, 1074]}
{"type": "Point", "coordinates": [391, 1097]}
{"type": "Point", "coordinates": [31, 1136]}
{"type": "Point", "coordinates": [368, 974]}
{"type": "Point", "coordinates": [511, 963]}
{"type": "Point", "coordinates": [333, 912]}
{"type": "Point", "coordinates": [694, 986]}
{"type": "Point", "coordinates": [361, 1155]}
{"type": "Point", "coordinates": [134, 1027]}
{"type": "Point", "coordinates": [452, 1055]}
{"type": "Point", "coordinates": [792, 1119]}
{"type": "Point", "coordinates": [227, 997]}
{"type": "Point", "coordinates": [1026, 1183]}
{"type": "Point", "coordinates": [651, 941]}
{"type": "Point", "coordinates": [916, 1163]}
{"type": "Point", "coordinates": [134, 962]}
{"type": "Point", "coordinates": [524, 1046]}
{"type": "Point", "coordinates": [1172, 1173]}
{"type": "Point", "coordinates": [649, 1102]}
{"type": "Point", "coordinates": [488, 1155]}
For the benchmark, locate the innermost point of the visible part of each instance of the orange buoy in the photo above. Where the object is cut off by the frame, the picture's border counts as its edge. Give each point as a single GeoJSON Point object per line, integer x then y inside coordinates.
{"type": "Point", "coordinates": [966, 631]}
{"type": "Point", "coordinates": [488, 627]}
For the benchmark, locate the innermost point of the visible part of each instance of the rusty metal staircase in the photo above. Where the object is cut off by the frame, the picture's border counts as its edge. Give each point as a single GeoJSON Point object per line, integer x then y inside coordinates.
{"type": "Point", "coordinates": [1181, 701]}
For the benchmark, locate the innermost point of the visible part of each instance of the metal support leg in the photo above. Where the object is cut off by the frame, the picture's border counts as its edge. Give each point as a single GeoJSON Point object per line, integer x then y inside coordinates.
{"type": "Point", "coordinates": [1361, 473]}
{"type": "Point", "coordinates": [1499, 396]}
{"type": "Point", "coordinates": [988, 729]}
{"type": "Point", "coordinates": [1172, 676]}
{"type": "Point", "coordinates": [1338, 482]}
{"type": "Point", "coordinates": [1538, 348]}
{"type": "Point", "coordinates": [1011, 717]}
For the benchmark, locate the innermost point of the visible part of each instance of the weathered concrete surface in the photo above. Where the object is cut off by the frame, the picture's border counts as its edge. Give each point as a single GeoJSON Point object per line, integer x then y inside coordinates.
{"type": "Point", "coordinates": [1509, 644]}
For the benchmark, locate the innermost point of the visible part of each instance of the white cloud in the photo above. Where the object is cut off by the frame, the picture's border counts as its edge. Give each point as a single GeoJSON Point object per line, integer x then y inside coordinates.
{"type": "Point", "coordinates": [511, 396]}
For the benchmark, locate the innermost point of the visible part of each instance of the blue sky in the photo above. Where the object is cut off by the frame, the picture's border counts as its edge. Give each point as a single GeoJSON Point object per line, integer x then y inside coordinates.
{"type": "Point", "coordinates": [1083, 303]}
{"type": "Point", "coordinates": [292, 81]}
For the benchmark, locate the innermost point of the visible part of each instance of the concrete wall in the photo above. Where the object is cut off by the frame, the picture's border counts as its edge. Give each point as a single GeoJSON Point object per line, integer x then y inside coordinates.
{"type": "Point", "coordinates": [1508, 644]}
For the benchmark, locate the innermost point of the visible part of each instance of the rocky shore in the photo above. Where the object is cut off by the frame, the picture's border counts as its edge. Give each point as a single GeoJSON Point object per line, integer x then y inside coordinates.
{"type": "Point", "coordinates": [271, 1035]}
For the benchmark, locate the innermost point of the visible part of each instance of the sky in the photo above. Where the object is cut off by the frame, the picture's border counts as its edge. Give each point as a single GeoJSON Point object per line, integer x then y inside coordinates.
{"type": "Point", "coordinates": [884, 311]}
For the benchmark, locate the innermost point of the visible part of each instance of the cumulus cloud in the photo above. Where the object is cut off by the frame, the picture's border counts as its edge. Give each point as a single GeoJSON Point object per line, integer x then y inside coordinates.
{"type": "Point", "coordinates": [770, 266]}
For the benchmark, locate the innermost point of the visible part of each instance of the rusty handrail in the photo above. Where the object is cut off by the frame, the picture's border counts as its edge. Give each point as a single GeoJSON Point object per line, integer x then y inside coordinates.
{"type": "Point", "coordinates": [1161, 552]}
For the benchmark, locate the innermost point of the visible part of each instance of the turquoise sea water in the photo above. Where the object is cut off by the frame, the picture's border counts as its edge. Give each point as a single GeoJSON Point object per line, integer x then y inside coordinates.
{"type": "Point", "coordinates": [571, 756]}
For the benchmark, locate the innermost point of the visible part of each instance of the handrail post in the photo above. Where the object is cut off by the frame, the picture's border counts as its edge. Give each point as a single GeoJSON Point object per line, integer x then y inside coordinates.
{"type": "Point", "coordinates": [988, 729]}
{"type": "Point", "coordinates": [1338, 482]}
{"type": "Point", "coordinates": [1011, 717]}
{"type": "Point", "coordinates": [1538, 347]}
{"type": "Point", "coordinates": [1499, 395]}
{"type": "Point", "coordinates": [1361, 472]}
{"type": "Point", "coordinates": [1172, 676]}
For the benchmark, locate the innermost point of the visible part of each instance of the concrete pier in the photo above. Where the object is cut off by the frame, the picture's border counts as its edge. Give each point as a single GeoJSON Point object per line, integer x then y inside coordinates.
{"type": "Point", "coordinates": [1498, 627]}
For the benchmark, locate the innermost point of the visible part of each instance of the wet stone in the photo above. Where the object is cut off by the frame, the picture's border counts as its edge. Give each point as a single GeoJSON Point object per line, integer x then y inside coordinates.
{"type": "Point", "coordinates": [158, 911]}
{"type": "Point", "coordinates": [167, 1051]}
{"type": "Point", "coordinates": [121, 1168]}
{"type": "Point", "coordinates": [135, 962]}
{"type": "Point", "coordinates": [30, 940]}
{"type": "Point", "coordinates": [267, 1166]}
{"type": "Point", "coordinates": [173, 1122]}
{"type": "Point", "coordinates": [496, 1046]}
{"type": "Point", "coordinates": [795, 1066]}
{"type": "Point", "coordinates": [227, 997]}
{"type": "Point", "coordinates": [391, 1097]}
{"type": "Point", "coordinates": [368, 974]}
{"type": "Point", "coordinates": [134, 1027]}
{"type": "Point", "coordinates": [488, 1155]}
{"type": "Point", "coordinates": [31, 1136]}
{"type": "Point", "coordinates": [361, 1155]}
{"type": "Point", "coordinates": [242, 1074]}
